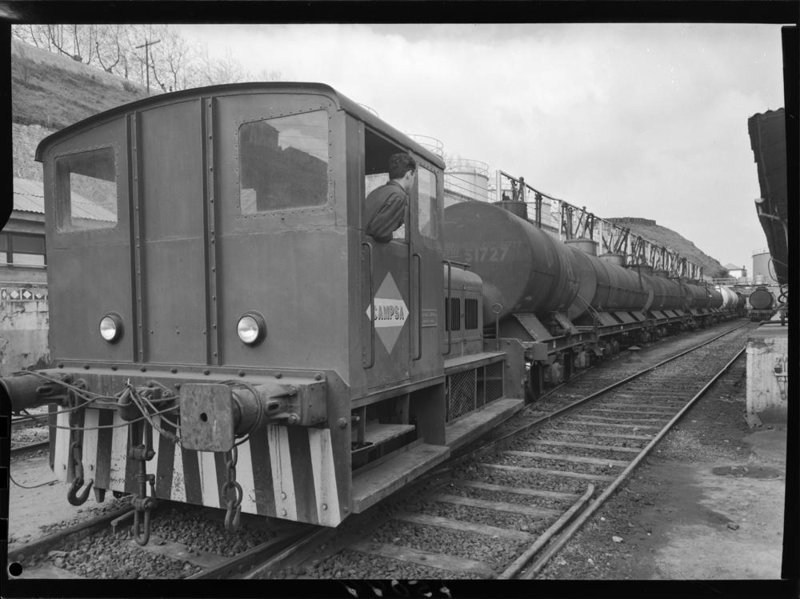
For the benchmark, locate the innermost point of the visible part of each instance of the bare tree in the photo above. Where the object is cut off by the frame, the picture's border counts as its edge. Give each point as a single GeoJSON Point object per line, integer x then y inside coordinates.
{"type": "Point", "coordinates": [173, 63]}
{"type": "Point", "coordinates": [208, 70]}
{"type": "Point", "coordinates": [268, 75]}
{"type": "Point", "coordinates": [108, 47]}
{"type": "Point", "coordinates": [55, 39]}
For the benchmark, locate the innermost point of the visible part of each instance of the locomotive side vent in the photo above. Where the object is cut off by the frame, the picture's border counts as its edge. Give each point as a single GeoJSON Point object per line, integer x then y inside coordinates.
{"type": "Point", "coordinates": [461, 394]}
{"type": "Point", "coordinates": [472, 389]}
{"type": "Point", "coordinates": [493, 382]}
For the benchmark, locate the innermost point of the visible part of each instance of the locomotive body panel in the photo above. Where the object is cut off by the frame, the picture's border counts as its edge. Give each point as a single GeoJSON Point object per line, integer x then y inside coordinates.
{"type": "Point", "coordinates": [87, 218]}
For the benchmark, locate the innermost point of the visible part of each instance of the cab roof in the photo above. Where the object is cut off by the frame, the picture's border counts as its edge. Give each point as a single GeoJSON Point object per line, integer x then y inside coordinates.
{"type": "Point", "coordinates": [341, 101]}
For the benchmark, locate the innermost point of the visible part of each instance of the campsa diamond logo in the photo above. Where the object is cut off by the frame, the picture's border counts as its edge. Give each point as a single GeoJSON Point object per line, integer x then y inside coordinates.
{"type": "Point", "coordinates": [391, 312]}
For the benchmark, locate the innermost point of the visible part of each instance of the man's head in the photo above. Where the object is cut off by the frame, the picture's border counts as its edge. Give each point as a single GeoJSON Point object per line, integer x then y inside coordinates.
{"type": "Point", "coordinates": [403, 169]}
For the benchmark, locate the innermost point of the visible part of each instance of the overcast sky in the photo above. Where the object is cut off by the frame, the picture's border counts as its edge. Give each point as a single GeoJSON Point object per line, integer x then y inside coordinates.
{"type": "Point", "coordinates": [627, 120]}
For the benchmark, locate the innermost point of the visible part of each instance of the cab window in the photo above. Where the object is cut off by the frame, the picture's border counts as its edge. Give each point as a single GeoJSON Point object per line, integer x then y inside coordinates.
{"type": "Point", "coordinates": [283, 162]}
{"type": "Point", "coordinates": [377, 150]}
{"type": "Point", "coordinates": [86, 191]}
{"type": "Point", "coordinates": [427, 205]}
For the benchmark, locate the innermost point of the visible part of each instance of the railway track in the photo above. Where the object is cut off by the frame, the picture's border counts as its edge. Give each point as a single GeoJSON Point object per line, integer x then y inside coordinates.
{"type": "Point", "coordinates": [500, 510]}
{"type": "Point", "coordinates": [504, 509]}
{"type": "Point", "coordinates": [184, 544]}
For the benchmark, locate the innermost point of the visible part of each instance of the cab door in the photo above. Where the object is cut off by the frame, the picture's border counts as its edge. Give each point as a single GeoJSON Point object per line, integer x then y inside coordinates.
{"type": "Point", "coordinates": [386, 284]}
{"type": "Point", "coordinates": [426, 272]}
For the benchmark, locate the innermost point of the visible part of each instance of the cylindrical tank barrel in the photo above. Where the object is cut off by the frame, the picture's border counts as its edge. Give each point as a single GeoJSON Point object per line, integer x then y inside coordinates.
{"type": "Point", "coordinates": [520, 209]}
{"type": "Point", "coordinates": [729, 298]}
{"type": "Point", "coordinates": [666, 293]}
{"type": "Point", "coordinates": [696, 296]}
{"type": "Point", "coordinates": [762, 299]}
{"type": "Point", "coordinates": [522, 267]}
{"type": "Point", "coordinates": [715, 299]}
{"type": "Point", "coordinates": [619, 288]}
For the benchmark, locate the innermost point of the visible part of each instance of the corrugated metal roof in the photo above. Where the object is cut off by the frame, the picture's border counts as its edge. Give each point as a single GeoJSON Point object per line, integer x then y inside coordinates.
{"type": "Point", "coordinates": [29, 197]}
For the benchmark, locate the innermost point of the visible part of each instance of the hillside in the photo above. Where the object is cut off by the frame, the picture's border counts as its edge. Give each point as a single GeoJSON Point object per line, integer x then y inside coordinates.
{"type": "Point", "coordinates": [50, 92]}
{"type": "Point", "coordinates": [668, 238]}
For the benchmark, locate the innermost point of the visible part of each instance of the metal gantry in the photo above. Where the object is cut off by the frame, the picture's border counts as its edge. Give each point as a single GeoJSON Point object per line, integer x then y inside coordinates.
{"type": "Point", "coordinates": [577, 222]}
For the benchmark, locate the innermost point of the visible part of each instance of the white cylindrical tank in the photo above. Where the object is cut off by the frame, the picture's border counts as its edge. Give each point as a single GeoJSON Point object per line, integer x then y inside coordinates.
{"type": "Point", "coordinates": [467, 178]}
{"type": "Point", "coordinates": [763, 271]}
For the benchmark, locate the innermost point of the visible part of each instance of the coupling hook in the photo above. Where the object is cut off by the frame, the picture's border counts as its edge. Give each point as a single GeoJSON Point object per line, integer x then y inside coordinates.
{"type": "Point", "coordinates": [76, 498]}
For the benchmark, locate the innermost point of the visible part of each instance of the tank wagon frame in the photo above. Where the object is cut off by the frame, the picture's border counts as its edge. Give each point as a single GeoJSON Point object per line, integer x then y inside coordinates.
{"type": "Point", "coordinates": [226, 334]}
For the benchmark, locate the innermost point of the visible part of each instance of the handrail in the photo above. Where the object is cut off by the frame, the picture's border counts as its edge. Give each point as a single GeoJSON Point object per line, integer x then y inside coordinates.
{"type": "Point", "coordinates": [419, 305]}
{"type": "Point", "coordinates": [447, 308]}
{"type": "Point", "coordinates": [371, 362]}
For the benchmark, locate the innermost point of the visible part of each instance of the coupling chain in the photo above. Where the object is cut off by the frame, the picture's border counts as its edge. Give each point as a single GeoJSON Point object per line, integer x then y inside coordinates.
{"type": "Point", "coordinates": [74, 497]}
{"type": "Point", "coordinates": [233, 491]}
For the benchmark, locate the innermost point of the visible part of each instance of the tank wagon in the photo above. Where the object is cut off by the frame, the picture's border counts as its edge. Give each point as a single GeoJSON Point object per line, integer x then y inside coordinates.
{"type": "Point", "coordinates": [566, 305]}
{"type": "Point", "coordinates": [226, 334]}
{"type": "Point", "coordinates": [762, 304]}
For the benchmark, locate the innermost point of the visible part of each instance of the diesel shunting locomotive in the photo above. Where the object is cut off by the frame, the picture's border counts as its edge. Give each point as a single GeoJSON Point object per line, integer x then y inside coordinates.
{"type": "Point", "coordinates": [225, 333]}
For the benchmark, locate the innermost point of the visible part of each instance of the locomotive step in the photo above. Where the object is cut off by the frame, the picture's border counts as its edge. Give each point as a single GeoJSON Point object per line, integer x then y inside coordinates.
{"type": "Point", "coordinates": [375, 483]}
{"type": "Point", "coordinates": [473, 425]}
{"type": "Point", "coordinates": [376, 434]}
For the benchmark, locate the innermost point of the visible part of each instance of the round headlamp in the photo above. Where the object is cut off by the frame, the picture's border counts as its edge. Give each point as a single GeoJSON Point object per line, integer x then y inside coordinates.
{"type": "Point", "coordinates": [111, 327]}
{"type": "Point", "coordinates": [251, 328]}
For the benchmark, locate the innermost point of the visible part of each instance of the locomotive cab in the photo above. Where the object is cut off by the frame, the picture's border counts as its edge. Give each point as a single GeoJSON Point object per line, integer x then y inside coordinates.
{"type": "Point", "coordinates": [214, 299]}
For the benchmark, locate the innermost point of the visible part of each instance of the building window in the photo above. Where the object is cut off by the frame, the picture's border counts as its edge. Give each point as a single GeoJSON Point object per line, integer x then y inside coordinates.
{"type": "Point", "coordinates": [22, 249]}
{"type": "Point", "coordinates": [86, 191]}
{"type": "Point", "coordinates": [283, 162]}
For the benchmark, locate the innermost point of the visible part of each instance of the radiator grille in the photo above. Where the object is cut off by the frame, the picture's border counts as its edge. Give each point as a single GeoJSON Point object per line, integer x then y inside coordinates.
{"type": "Point", "coordinates": [460, 394]}
{"type": "Point", "coordinates": [494, 381]}
{"type": "Point", "coordinates": [472, 389]}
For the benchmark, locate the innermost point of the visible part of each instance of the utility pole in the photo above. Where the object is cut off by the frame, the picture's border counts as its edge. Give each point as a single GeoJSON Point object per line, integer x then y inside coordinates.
{"type": "Point", "coordinates": [146, 47]}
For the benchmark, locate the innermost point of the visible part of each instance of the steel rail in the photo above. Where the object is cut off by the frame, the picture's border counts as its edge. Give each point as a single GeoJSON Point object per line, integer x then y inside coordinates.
{"type": "Point", "coordinates": [465, 455]}
{"type": "Point", "coordinates": [278, 560]}
{"type": "Point", "coordinates": [19, 449]}
{"type": "Point", "coordinates": [28, 418]}
{"type": "Point", "coordinates": [523, 560]}
{"type": "Point", "coordinates": [585, 515]}
{"type": "Point", "coordinates": [603, 391]}
{"type": "Point", "coordinates": [79, 531]}
{"type": "Point", "coordinates": [255, 557]}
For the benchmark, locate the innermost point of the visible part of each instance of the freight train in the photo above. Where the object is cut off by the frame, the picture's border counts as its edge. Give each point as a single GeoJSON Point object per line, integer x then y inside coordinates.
{"type": "Point", "coordinates": [225, 333]}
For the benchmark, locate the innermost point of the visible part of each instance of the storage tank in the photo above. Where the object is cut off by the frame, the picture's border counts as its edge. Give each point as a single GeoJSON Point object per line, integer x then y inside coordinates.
{"type": "Point", "coordinates": [467, 178]}
{"type": "Point", "coordinates": [763, 271]}
{"type": "Point", "coordinates": [523, 268]}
